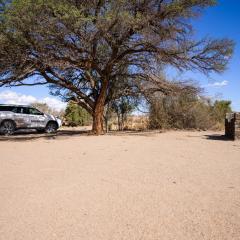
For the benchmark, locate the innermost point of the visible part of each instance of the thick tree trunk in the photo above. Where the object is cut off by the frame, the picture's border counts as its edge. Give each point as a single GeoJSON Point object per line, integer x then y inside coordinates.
{"type": "Point", "coordinates": [98, 112]}
{"type": "Point", "coordinates": [98, 120]}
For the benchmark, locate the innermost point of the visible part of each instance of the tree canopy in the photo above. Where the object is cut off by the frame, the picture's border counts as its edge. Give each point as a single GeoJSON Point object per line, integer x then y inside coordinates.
{"type": "Point", "coordinates": [95, 51]}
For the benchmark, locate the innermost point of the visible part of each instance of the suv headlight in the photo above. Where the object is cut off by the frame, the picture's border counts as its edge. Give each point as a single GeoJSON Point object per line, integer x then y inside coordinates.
{"type": "Point", "coordinates": [59, 121]}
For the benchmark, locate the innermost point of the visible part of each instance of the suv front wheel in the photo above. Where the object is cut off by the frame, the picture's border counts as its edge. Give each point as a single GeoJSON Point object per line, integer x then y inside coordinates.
{"type": "Point", "coordinates": [7, 128]}
{"type": "Point", "coordinates": [51, 127]}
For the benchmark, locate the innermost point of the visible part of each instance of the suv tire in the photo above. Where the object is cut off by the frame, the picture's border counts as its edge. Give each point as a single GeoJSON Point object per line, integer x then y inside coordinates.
{"type": "Point", "coordinates": [7, 127]}
{"type": "Point", "coordinates": [51, 127]}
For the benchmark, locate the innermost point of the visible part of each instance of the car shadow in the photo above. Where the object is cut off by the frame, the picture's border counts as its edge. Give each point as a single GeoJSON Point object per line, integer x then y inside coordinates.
{"type": "Point", "coordinates": [33, 135]}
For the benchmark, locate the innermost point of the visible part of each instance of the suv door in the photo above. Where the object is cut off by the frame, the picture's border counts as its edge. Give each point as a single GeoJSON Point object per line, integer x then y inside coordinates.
{"type": "Point", "coordinates": [28, 117]}
{"type": "Point", "coordinates": [37, 118]}
{"type": "Point", "coordinates": [21, 117]}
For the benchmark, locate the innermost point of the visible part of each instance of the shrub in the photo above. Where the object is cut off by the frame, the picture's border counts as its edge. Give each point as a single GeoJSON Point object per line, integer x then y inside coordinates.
{"type": "Point", "coordinates": [76, 115]}
{"type": "Point", "coordinates": [187, 111]}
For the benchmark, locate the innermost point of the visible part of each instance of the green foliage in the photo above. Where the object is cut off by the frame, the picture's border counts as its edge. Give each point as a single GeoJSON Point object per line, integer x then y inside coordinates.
{"type": "Point", "coordinates": [76, 115]}
{"type": "Point", "coordinates": [220, 108]}
{"type": "Point", "coordinates": [123, 107]}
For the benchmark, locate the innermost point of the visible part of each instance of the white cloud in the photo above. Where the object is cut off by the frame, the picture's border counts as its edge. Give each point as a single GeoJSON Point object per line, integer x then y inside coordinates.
{"type": "Point", "coordinates": [54, 103]}
{"type": "Point", "coordinates": [10, 97]}
{"type": "Point", "coordinates": [218, 84]}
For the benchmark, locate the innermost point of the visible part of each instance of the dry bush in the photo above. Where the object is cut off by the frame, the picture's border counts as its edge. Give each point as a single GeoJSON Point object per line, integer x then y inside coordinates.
{"type": "Point", "coordinates": [44, 107]}
{"type": "Point", "coordinates": [137, 123]}
{"type": "Point", "coordinates": [186, 111]}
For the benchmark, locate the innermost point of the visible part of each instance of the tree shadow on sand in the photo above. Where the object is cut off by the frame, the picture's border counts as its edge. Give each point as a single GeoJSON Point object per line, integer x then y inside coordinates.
{"type": "Point", "coordinates": [142, 133]}
{"type": "Point", "coordinates": [217, 137]}
{"type": "Point", "coordinates": [28, 135]}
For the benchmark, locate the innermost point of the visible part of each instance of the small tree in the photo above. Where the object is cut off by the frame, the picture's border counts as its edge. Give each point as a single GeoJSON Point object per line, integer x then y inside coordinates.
{"type": "Point", "coordinates": [123, 107]}
{"type": "Point", "coordinates": [183, 111]}
{"type": "Point", "coordinates": [187, 110]}
{"type": "Point", "coordinates": [220, 109]}
{"type": "Point", "coordinates": [76, 115]}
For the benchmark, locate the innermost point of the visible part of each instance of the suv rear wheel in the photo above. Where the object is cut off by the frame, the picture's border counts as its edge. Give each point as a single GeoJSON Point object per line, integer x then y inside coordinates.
{"type": "Point", "coordinates": [7, 127]}
{"type": "Point", "coordinates": [51, 127]}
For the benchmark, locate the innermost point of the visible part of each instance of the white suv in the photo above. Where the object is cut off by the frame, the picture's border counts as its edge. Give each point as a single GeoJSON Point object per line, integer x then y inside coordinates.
{"type": "Point", "coordinates": [13, 117]}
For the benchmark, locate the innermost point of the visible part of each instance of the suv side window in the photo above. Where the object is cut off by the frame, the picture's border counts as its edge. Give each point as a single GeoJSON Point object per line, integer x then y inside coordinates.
{"type": "Point", "coordinates": [21, 110]}
{"type": "Point", "coordinates": [25, 110]}
{"type": "Point", "coordinates": [6, 108]}
{"type": "Point", "coordinates": [15, 110]}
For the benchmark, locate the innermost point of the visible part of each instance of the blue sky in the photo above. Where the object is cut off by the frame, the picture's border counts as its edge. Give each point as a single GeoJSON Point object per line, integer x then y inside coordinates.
{"type": "Point", "coordinates": [221, 21]}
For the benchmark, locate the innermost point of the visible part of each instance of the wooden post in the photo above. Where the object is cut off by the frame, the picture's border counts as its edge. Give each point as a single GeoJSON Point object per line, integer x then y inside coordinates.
{"type": "Point", "coordinates": [237, 126]}
{"type": "Point", "coordinates": [232, 126]}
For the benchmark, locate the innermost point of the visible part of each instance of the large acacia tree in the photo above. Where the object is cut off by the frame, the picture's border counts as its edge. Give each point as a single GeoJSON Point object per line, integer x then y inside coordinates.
{"type": "Point", "coordinates": [94, 51]}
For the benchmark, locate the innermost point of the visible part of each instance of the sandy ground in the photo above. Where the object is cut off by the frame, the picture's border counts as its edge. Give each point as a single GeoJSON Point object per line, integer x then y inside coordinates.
{"type": "Point", "coordinates": [175, 185]}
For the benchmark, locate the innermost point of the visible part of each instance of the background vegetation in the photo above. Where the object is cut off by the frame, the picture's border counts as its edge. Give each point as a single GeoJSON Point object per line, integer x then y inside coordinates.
{"type": "Point", "coordinates": [184, 111]}
{"type": "Point", "coordinates": [187, 111]}
{"type": "Point", "coordinates": [76, 115]}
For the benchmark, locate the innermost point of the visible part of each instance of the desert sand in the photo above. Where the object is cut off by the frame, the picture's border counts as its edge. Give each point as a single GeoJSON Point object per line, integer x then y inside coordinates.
{"type": "Point", "coordinates": [143, 186]}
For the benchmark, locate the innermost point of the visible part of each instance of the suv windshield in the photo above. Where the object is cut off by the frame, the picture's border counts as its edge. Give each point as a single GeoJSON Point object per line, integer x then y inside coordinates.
{"type": "Point", "coordinates": [34, 111]}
